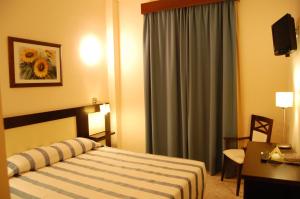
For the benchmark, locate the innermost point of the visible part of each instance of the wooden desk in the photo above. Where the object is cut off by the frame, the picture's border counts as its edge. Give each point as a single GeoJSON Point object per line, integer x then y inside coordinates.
{"type": "Point", "coordinates": [268, 180]}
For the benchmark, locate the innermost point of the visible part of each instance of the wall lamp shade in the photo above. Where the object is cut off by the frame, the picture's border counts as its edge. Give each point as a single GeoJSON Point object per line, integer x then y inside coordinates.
{"type": "Point", "coordinates": [284, 99]}
{"type": "Point", "coordinates": [104, 108]}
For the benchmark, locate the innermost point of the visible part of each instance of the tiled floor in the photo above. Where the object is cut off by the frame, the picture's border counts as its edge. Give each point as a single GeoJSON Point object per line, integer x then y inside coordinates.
{"type": "Point", "coordinates": [216, 189]}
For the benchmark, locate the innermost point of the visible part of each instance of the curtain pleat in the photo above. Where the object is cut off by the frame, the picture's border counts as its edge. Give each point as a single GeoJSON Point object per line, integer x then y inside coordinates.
{"type": "Point", "coordinates": [190, 81]}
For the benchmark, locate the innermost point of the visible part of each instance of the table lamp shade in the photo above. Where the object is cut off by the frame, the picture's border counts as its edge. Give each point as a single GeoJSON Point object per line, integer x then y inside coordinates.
{"type": "Point", "coordinates": [284, 99]}
{"type": "Point", "coordinates": [96, 122]}
{"type": "Point", "coordinates": [104, 108]}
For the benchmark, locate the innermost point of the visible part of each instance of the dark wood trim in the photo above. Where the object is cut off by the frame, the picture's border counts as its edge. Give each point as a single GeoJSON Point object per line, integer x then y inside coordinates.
{"type": "Point", "coordinates": [16, 39]}
{"type": "Point", "coordinates": [12, 79]}
{"type": "Point", "coordinates": [262, 125]}
{"type": "Point", "coordinates": [237, 138]}
{"type": "Point", "coordinates": [11, 61]}
{"type": "Point", "coordinates": [105, 135]}
{"type": "Point", "coordinates": [13, 85]}
{"type": "Point", "coordinates": [23, 120]}
{"type": "Point", "coordinates": [227, 162]}
{"type": "Point", "coordinates": [156, 6]}
{"type": "Point", "coordinates": [81, 114]}
{"type": "Point", "coordinates": [107, 130]}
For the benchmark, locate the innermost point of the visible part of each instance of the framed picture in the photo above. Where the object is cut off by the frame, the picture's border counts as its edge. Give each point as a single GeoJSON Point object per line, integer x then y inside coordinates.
{"type": "Point", "coordinates": [34, 63]}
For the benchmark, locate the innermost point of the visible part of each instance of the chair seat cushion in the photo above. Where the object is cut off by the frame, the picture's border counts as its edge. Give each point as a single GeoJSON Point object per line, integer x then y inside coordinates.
{"type": "Point", "coordinates": [237, 155]}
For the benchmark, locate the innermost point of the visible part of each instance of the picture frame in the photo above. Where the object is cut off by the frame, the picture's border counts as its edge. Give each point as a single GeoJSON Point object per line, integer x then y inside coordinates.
{"type": "Point", "coordinates": [34, 63]}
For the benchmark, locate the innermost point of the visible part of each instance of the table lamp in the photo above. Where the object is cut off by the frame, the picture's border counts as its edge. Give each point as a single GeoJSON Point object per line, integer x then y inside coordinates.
{"type": "Point", "coordinates": [284, 100]}
{"type": "Point", "coordinates": [96, 123]}
{"type": "Point", "coordinates": [105, 109]}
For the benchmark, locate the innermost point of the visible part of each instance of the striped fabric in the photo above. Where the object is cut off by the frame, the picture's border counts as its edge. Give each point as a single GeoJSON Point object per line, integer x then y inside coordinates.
{"type": "Point", "coordinates": [44, 156]}
{"type": "Point", "coordinates": [113, 173]}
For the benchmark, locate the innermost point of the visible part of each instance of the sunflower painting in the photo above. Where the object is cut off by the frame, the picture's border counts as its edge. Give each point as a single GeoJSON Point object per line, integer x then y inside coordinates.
{"type": "Point", "coordinates": [34, 63]}
{"type": "Point", "coordinates": [37, 64]}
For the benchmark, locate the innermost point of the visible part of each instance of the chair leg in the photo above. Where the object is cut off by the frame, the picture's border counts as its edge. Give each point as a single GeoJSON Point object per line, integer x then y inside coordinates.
{"type": "Point", "coordinates": [224, 166]}
{"type": "Point", "coordinates": [239, 177]}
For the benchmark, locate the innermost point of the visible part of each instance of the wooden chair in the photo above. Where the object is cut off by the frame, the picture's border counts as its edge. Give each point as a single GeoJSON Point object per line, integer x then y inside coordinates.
{"type": "Point", "coordinates": [260, 131]}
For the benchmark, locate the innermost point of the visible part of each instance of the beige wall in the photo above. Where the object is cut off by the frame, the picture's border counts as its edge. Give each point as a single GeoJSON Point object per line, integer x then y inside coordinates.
{"type": "Point", "coordinates": [113, 67]}
{"type": "Point", "coordinates": [294, 85]}
{"type": "Point", "coordinates": [132, 111]}
{"type": "Point", "coordinates": [56, 21]}
{"type": "Point", "coordinates": [262, 73]}
{"type": "Point", "coordinates": [4, 191]}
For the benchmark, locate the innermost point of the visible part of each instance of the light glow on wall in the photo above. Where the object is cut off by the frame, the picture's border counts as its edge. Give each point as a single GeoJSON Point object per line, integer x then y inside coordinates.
{"type": "Point", "coordinates": [129, 50]}
{"type": "Point", "coordinates": [110, 50]}
{"type": "Point", "coordinates": [90, 50]}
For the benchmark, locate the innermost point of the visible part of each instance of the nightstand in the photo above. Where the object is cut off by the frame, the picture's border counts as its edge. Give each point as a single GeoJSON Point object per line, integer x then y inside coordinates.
{"type": "Point", "coordinates": [105, 135]}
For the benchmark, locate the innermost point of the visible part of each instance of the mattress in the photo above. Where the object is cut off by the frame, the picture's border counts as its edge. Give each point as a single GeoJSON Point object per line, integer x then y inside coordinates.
{"type": "Point", "coordinates": [113, 173]}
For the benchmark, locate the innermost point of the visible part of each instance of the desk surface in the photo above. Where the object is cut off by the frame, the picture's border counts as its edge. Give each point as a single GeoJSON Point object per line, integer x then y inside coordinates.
{"type": "Point", "coordinates": [254, 168]}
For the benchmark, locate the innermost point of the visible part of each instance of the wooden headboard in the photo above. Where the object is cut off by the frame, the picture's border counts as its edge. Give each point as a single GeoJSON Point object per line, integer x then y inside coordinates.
{"type": "Point", "coordinates": [80, 113]}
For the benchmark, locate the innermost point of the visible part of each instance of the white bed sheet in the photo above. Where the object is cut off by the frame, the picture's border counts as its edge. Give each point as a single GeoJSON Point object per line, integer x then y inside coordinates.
{"type": "Point", "coordinates": [113, 173]}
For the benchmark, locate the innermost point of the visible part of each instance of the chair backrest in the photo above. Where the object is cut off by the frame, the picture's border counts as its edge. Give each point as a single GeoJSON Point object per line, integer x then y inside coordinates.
{"type": "Point", "coordinates": [260, 129]}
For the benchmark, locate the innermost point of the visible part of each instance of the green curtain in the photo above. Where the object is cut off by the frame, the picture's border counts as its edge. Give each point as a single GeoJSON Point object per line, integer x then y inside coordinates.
{"type": "Point", "coordinates": [190, 81]}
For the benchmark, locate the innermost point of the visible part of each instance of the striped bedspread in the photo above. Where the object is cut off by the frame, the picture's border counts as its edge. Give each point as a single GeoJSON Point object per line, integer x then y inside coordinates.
{"type": "Point", "coordinates": [113, 173]}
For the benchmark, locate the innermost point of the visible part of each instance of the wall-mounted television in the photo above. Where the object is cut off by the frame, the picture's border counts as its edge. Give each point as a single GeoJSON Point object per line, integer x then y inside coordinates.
{"type": "Point", "coordinates": [284, 36]}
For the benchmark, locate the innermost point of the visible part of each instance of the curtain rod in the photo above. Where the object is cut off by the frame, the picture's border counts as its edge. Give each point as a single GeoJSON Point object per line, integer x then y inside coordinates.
{"type": "Point", "coordinates": [159, 5]}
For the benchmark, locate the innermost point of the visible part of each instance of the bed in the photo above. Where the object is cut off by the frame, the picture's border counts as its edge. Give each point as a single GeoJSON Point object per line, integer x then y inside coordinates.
{"type": "Point", "coordinates": [80, 168]}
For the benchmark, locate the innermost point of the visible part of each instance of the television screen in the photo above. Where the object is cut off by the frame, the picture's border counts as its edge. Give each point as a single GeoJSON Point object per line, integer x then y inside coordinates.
{"type": "Point", "coordinates": [284, 36]}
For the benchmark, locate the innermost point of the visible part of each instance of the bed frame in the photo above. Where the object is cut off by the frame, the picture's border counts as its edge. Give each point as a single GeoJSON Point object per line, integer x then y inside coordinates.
{"type": "Point", "coordinates": [80, 113]}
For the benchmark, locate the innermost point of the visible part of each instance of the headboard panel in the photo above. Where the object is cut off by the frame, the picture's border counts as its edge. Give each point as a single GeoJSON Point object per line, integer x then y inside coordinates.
{"type": "Point", "coordinates": [36, 135]}
{"type": "Point", "coordinates": [80, 113]}
{"type": "Point", "coordinates": [29, 131]}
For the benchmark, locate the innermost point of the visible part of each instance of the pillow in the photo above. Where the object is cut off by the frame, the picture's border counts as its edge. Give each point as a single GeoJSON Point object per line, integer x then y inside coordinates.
{"type": "Point", "coordinates": [44, 156]}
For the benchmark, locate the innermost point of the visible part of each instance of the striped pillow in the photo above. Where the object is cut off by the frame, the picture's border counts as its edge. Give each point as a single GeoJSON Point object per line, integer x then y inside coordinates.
{"type": "Point", "coordinates": [44, 156]}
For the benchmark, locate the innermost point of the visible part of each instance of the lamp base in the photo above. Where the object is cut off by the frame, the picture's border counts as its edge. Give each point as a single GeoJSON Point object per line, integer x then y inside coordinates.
{"type": "Point", "coordinates": [284, 146]}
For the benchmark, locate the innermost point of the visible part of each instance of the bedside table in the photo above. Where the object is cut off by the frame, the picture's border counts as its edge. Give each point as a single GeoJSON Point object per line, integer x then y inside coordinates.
{"type": "Point", "coordinates": [105, 135]}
